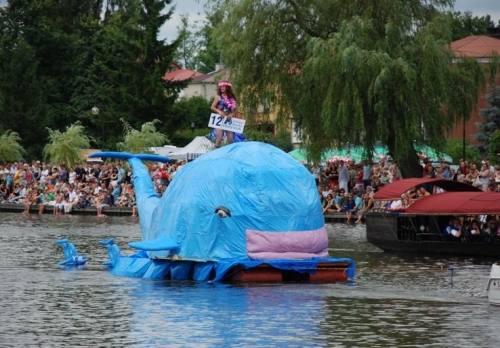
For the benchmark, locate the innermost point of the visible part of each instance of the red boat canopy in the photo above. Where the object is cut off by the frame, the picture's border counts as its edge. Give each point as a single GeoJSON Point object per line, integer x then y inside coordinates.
{"type": "Point", "coordinates": [457, 203]}
{"type": "Point", "coordinates": [396, 189]}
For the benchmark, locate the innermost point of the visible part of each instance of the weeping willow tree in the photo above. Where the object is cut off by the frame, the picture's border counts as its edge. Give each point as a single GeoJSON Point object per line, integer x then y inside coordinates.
{"type": "Point", "coordinates": [360, 71]}
{"type": "Point", "coordinates": [136, 141]}
{"type": "Point", "coordinates": [64, 147]}
{"type": "Point", "coordinates": [10, 147]}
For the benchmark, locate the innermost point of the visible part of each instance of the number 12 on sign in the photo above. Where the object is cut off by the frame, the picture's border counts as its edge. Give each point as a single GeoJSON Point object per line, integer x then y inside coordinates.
{"type": "Point", "coordinates": [219, 122]}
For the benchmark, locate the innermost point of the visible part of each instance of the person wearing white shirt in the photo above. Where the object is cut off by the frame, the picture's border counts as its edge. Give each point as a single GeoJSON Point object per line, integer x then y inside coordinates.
{"type": "Point", "coordinates": [343, 177]}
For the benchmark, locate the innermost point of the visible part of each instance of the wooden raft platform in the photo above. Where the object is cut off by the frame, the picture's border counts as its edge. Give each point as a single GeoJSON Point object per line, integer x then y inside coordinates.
{"type": "Point", "coordinates": [327, 272]}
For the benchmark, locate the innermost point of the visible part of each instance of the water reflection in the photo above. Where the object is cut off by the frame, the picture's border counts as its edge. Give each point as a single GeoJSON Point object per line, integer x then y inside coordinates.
{"type": "Point", "coordinates": [396, 300]}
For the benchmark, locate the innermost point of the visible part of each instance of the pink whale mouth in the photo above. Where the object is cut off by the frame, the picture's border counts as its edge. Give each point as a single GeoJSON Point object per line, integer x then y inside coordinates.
{"type": "Point", "coordinates": [294, 245]}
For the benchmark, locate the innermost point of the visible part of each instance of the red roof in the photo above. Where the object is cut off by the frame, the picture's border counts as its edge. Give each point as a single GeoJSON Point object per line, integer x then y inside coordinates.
{"type": "Point", "coordinates": [476, 46]}
{"type": "Point", "coordinates": [181, 75]}
{"type": "Point", "coordinates": [396, 189]}
{"type": "Point", "coordinates": [457, 203]}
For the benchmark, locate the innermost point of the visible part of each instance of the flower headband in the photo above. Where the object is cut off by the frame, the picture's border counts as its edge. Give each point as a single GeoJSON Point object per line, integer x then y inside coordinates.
{"type": "Point", "coordinates": [225, 83]}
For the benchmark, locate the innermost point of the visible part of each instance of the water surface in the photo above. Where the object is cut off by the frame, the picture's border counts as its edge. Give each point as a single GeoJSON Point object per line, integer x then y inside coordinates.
{"type": "Point", "coordinates": [395, 300]}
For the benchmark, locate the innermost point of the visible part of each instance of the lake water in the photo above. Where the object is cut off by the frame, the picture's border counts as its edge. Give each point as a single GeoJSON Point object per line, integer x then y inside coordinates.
{"type": "Point", "coordinates": [395, 301]}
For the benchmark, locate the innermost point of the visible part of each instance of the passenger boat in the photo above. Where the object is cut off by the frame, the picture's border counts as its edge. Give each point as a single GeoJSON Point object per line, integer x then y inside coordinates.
{"type": "Point", "coordinates": [493, 288]}
{"type": "Point", "coordinates": [419, 228]}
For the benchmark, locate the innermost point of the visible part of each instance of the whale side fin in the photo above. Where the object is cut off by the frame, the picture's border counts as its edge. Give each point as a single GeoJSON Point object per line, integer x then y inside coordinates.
{"type": "Point", "coordinates": [159, 244]}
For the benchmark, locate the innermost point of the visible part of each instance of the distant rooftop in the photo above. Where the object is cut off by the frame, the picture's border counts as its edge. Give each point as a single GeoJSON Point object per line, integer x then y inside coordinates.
{"type": "Point", "coordinates": [181, 75]}
{"type": "Point", "coordinates": [476, 46]}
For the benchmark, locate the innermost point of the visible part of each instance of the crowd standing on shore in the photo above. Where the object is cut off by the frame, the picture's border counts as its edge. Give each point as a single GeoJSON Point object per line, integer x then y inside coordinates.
{"type": "Point", "coordinates": [86, 185]}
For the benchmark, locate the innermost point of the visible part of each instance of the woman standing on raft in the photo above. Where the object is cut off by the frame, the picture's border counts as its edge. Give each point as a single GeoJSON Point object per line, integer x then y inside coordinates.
{"type": "Point", "coordinates": [224, 104]}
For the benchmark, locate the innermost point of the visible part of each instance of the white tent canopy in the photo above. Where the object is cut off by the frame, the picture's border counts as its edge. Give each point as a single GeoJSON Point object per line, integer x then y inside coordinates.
{"type": "Point", "coordinates": [197, 147]}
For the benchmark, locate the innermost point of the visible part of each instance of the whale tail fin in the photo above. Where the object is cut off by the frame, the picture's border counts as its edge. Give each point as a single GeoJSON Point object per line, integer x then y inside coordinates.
{"type": "Point", "coordinates": [114, 252]}
{"type": "Point", "coordinates": [126, 156]}
{"type": "Point", "coordinates": [71, 254]}
{"type": "Point", "coordinates": [146, 196]}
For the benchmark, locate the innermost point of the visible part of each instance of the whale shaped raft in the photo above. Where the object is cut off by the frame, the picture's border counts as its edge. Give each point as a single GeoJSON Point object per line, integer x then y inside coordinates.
{"type": "Point", "coordinates": [245, 212]}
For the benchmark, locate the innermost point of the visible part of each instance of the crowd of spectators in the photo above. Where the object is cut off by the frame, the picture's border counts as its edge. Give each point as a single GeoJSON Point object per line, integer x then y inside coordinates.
{"type": "Point", "coordinates": [363, 180]}
{"type": "Point", "coordinates": [86, 185]}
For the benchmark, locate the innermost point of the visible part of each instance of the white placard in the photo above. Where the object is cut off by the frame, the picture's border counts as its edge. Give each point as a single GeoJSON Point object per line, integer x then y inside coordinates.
{"type": "Point", "coordinates": [234, 125]}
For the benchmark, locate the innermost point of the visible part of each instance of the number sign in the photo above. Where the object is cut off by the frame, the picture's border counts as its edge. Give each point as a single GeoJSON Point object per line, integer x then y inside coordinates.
{"type": "Point", "coordinates": [234, 125]}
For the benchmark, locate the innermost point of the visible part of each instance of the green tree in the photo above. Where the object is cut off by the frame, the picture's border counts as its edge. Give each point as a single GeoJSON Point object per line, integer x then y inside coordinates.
{"type": "Point", "coordinates": [186, 111]}
{"type": "Point", "coordinates": [464, 24]}
{"type": "Point", "coordinates": [136, 141]}
{"type": "Point", "coordinates": [10, 147]}
{"type": "Point", "coordinates": [356, 72]}
{"type": "Point", "coordinates": [281, 140]}
{"type": "Point", "coordinates": [64, 147]}
{"type": "Point", "coordinates": [209, 55]}
{"type": "Point", "coordinates": [124, 77]}
{"type": "Point", "coordinates": [490, 114]}
{"type": "Point", "coordinates": [187, 50]}
{"type": "Point", "coordinates": [60, 59]}
{"type": "Point", "coordinates": [455, 148]}
{"type": "Point", "coordinates": [36, 45]}
{"type": "Point", "coordinates": [197, 49]}
{"type": "Point", "coordinates": [491, 120]}
{"type": "Point", "coordinates": [495, 147]}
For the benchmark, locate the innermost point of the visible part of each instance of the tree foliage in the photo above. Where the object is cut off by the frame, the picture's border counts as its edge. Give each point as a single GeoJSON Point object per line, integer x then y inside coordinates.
{"type": "Point", "coordinates": [58, 59]}
{"type": "Point", "coordinates": [139, 141]}
{"type": "Point", "coordinates": [495, 146]}
{"type": "Point", "coordinates": [360, 71]}
{"type": "Point", "coordinates": [186, 111]}
{"type": "Point", "coordinates": [490, 114]}
{"type": "Point", "coordinates": [197, 48]}
{"type": "Point", "coordinates": [455, 148]}
{"type": "Point", "coordinates": [10, 147]}
{"type": "Point", "coordinates": [64, 147]}
{"type": "Point", "coordinates": [465, 24]}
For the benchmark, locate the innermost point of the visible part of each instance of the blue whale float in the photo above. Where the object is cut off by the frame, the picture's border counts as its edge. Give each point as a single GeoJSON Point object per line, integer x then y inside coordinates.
{"type": "Point", "coordinates": [247, 211]}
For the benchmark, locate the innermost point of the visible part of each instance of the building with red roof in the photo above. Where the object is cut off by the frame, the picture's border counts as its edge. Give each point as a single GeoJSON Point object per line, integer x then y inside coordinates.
{"type": "Point", "coordinates": [482, 48]}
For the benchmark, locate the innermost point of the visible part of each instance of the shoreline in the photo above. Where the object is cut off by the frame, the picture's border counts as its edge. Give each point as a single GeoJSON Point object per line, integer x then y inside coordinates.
{"type": "Point", "coordinates": [49, 209]}
{"type": "Point", "coordinates": [118, 211]}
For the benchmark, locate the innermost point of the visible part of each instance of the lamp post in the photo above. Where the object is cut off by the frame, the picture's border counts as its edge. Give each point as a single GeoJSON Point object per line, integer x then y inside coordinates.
{"type": "Point", "coordinates": [463, 140]}
{"type": "Point", "coordinates": [95, 111]}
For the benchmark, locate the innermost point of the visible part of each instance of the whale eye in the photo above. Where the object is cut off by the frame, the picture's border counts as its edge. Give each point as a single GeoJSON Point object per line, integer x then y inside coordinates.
{"type": "Point", "coordinates": [222, 212]}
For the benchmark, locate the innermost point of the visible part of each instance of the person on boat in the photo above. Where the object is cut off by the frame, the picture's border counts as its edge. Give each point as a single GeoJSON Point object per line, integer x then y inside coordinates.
{"type": "Point", "coordinates": [224, 104]}
{"type": "Point", "coordinates": [396, 205]}
{"type": "Point", "coordinates": [492, 230]}
{"type": "Point", "coordinates": [453, 231]}
{"type": "Point", "coordinates": [484, 177]}
{"type": "Point", "coordinates": [423, 192]}
{"type": "Point", "coordinates": [475, 232]}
